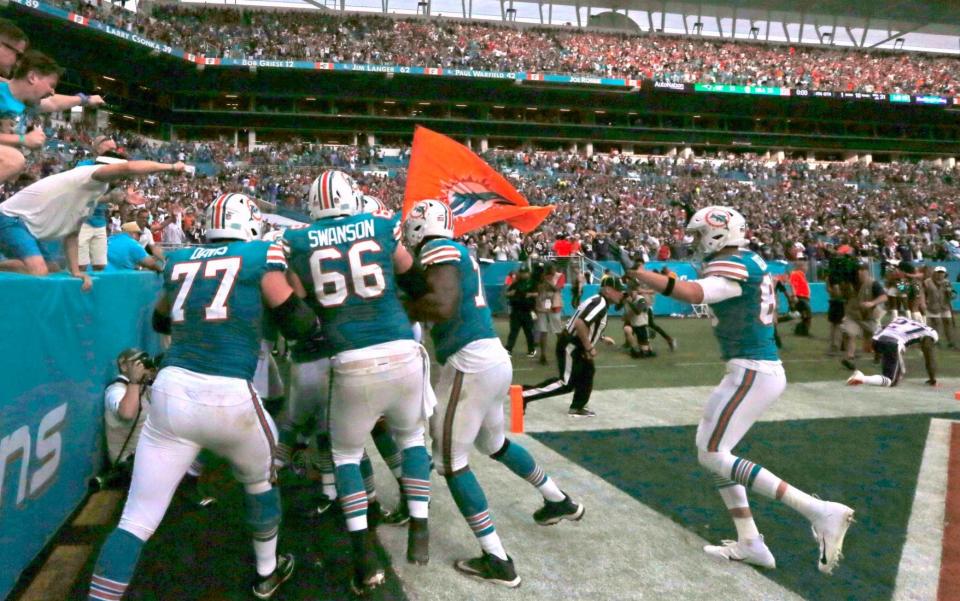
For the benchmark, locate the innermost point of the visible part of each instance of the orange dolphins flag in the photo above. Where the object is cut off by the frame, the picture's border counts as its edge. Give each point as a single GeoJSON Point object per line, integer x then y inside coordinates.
{"type": "Point", "coordinates": [448, 171]}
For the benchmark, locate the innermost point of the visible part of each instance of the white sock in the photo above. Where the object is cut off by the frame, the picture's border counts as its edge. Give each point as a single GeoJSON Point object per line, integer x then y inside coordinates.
{"type": "Point", "coordinates": [328, 484]}
{"type": "Point", "coordinates": [876, 380]}
{"type": "Point", "coordinates": [746, 529]}
{"type": "Point", "coordinates": [266, 552]}
{"type": "Point", "coordinates": [492, 545]}
{"type": "Point", "coordinates": [550, 491]}
{"type": "Point", "coordinates": [418, 509]}
{"type": "Point", "coordinates": [735, 499]}
{"type": "Point", "coordinates": [801, 502]}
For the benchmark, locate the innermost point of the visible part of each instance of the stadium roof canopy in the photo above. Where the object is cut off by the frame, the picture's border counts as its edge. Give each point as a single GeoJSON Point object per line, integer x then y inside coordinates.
{"type": "Point", "coordinates": [892, 24]}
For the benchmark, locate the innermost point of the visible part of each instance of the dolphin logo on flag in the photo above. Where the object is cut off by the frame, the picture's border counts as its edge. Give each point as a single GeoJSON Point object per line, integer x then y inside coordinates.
{"type": "Point", "coordinates": [445, 170]}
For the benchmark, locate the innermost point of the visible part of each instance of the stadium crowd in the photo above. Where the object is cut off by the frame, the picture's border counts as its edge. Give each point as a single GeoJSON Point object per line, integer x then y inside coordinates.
{"type": "Point", "coordinates": [892, 210]}
{"type": "Point", "coordinates": [452, 43]}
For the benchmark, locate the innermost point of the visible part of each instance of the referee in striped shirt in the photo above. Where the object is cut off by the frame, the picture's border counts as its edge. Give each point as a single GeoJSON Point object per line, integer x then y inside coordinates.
{"type": "Point", "coordinates": [576, 348]}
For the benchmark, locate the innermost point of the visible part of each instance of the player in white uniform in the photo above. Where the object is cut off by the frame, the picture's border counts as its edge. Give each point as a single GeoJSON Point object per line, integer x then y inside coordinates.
{"type": "Point", "coordinates": [737, 286]}
{"type": "Point", "coordinates": [892, 342]}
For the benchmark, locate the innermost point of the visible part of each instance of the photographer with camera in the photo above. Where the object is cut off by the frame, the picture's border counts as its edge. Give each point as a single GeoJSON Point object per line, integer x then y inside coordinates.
{"type": "Point", "coordinates": [127, 402]}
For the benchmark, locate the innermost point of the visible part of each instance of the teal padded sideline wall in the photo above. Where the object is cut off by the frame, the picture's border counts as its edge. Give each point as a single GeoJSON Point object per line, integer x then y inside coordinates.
{"type": "Point", "coordinates": [57, 350]}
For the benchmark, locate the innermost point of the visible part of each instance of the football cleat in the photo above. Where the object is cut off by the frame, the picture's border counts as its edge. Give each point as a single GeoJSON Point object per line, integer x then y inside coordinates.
{"type": "Point", "coordinates": [673, 344]}
{"type": "Point", "coordinates": [830, 528]}
{"type": "Point", "coordinates": [856, 379]}
{"type": "Point", "coordinates": [367, 575]}
{"type": "Point", "coordinates": [325, 504]}
{"type": "Point", "coordinates": [418, 542]}
{"type": "Point", "coordinates": [397, 517]}
{"type": "Point", "coordinates": [754, 552]}
{"type": "Point", "coordinates": [554, 512]}
{"type": "Point", "coordinates": [490, 568]}
{"type": "Point", "coordinates": [266, 586]}
{"type": "Point", "coordinates": [847, 363]}
{"type": "Point", "coordinates": [532, 354]}
{"type": "Point", "coordinates": [581, 413]}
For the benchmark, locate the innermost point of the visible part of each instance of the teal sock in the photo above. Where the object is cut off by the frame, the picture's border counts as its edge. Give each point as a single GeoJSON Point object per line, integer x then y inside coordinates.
{"type": "Point", "coordinates": [519, 461]}
{"type": "Point", "coordinates": [353, 497]}
{"type": "Point", "coordinates": [388, 449]}
{"type": "Point", "coordinates": [415, 482]}
{"type": "Point", "coordinates": [115, 566]}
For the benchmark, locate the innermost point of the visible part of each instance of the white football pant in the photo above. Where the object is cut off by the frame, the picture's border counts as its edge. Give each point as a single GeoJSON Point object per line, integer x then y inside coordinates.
{"type": "Point", "coordinates": [189, 412]}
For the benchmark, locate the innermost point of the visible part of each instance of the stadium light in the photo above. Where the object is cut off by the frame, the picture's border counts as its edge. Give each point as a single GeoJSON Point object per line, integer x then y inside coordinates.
{"type": "Point", "coordinates": [389, 102]}
{"type": "Point", "coordinates": [108, 78]}
{"type": "Point", "coordinates": [498, 106]}
{"type": "Point", "coordinates": [564, 110]}
{"type": "Point", "coordinates": [461, 106]}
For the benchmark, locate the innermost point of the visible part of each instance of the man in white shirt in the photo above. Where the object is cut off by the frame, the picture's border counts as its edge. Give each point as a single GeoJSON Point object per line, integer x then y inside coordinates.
{"type": "Point", "coordinates": [55, 207]}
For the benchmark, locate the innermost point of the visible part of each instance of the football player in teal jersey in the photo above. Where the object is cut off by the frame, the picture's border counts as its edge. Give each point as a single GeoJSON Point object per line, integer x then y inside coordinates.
{"type": "Point", "coordinates": [737, 286]}
{"type": "Point", "coordinates": [474, 383]}
{"type": "Point", "coordinates": [349, 261]}
{"type": "Point", "coordinates": [213, 303]}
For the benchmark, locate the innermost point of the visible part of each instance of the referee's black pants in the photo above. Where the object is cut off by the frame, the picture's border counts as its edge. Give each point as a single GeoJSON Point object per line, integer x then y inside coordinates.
{"type": "Point", "coordinates": [576, 374]}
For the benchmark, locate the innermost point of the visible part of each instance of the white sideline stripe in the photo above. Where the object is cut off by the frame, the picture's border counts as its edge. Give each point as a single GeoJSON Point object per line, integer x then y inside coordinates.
{"type": "Point", "coordinates": [622, 550]}
{"type": "Point", "coordinates": [636, 364]}
{"type": "Point", "coordinates": [682, 406]}
{"type": "Point", "coordinates": [919, 573]}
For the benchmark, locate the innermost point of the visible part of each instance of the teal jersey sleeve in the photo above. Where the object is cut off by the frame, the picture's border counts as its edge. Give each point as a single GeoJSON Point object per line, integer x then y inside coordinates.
{"type": "Point", "coordinates": [744, 325]}
{"type": "Point", "coordinates": [216, 303]}
{"type": "Point", "coordinates": [472, 320]}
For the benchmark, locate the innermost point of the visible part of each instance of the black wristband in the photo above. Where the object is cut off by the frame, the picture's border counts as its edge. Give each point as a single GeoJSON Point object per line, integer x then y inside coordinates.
{"type": "Point", "coordinates": [671, 282]}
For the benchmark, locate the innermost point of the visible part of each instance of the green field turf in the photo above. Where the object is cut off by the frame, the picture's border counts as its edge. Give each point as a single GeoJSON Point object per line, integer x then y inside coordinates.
{"type": "Point", "coordinates": [872, 466]}
{"type": "Point", "coordinates": [697, 360]}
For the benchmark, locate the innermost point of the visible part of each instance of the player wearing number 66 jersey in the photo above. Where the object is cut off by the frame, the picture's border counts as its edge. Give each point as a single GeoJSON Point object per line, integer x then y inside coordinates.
{"type": "Point", "coordinates": [349, 262]}
{"type": "Point", "coordinates": [473, 385]}
{"type": "Point", "coordinates": [737, 286]}
{"type": "Point", "coordinates": [213, 305]}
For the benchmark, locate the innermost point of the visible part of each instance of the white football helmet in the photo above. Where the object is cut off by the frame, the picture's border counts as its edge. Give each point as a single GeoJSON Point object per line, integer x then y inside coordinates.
{"type": "Point", "coordinates": [372, 204]}
{"type": "Point", "coordinates": [718, 227]}
{"type": "Point", "coordinates": [333, 194]}
{"type": "Point", "coordinates": [427, 218]}
{"type": "Point", "coordinates": [235, 217]}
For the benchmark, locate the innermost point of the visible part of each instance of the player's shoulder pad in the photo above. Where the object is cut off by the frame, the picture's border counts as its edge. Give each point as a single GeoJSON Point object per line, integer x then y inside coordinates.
{"type": "Point", "coordinates": [384, 223]}
{"type": "Point", "coordinates": [733, 267]}
{"type": "Point", "coordinates": [440, 251]}
{"type": "Point", "coordinates": [271, 253]}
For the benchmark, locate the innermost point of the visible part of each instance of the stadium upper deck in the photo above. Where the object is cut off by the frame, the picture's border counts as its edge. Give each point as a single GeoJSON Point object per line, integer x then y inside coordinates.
{"type": "Point", "coordinates": [270, 99]}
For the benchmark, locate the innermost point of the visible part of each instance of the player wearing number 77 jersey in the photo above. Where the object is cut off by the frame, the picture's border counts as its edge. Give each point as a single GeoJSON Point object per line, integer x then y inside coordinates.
{"type": "Point", "coordinates": [349, 262]}
{"type": "Point", "coordinates": [213, 305]}
{"type": "Point", "coordinates": [737, 285]}
{"type": "Point", "coordinates": [473, 385]}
